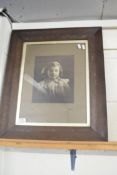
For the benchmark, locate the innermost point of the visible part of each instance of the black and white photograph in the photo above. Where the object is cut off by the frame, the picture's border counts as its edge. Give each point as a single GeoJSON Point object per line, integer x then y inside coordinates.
{"type": "Point", "coordinates": [54, 84]}
{"type": "Point", "coordinates": [54, 79]}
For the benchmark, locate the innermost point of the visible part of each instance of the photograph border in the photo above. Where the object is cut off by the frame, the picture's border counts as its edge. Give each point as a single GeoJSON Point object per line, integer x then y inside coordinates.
{"type": "Point", "coordinates": [22, 121]}
{"type": "Point", "coordinates": [98, 113]}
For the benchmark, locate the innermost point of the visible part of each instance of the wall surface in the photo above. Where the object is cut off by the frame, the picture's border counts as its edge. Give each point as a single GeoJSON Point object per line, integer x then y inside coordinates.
{"type": "Point", "coordinates": [5, 31]}
{"type": "Point", "coordinates": [51, 162]}
{"type": "Point", "coordinates": [44, 161]}
{"type": "Point", "coordinates": [53, 10]}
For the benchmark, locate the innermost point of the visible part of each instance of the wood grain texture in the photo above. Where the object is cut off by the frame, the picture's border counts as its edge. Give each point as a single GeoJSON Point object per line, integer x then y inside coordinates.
{"type": "Point", "coordinates": [98, 129]}
{"type": "Point", "coordinates": [78, 145]}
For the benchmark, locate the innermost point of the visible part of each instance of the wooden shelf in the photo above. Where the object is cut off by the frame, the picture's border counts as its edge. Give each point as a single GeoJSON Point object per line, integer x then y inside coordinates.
{"type": "Point", "coordinates": [78, 145]}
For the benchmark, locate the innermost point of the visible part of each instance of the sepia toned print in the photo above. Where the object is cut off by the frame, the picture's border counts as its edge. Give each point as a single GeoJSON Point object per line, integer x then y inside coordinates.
{"type": "Point", "coordinates": [55, 86]}
{"type": "Point", "coordinates": [55, 83]}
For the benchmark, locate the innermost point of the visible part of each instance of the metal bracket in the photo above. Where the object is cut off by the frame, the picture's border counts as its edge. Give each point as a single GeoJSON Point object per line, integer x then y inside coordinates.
{"type": "Point", "coordinates": [73, 159]}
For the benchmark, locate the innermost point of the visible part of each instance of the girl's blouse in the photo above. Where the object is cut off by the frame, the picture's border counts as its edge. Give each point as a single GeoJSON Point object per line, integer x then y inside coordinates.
{"type": "Point", "coordinates": [56, 87]}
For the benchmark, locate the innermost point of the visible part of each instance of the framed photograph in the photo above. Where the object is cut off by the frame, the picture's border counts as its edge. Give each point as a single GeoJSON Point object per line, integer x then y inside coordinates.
{"type": "Point", "coordinates": [54, 86]}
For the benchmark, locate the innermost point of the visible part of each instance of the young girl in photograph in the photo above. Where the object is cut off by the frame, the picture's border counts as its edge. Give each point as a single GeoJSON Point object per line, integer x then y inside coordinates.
{"type": "Point", "coordinates": [53, 85]}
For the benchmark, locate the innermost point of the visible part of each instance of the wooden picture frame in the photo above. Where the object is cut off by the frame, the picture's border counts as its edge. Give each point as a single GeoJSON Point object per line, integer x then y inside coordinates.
{"type": "Point", "coordinates": [81, 38]}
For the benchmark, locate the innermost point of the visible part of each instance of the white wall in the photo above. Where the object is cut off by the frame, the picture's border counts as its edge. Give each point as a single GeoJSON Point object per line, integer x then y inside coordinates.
{"type": "Point", "coordinates": [111, 86]}
{"type": "Point", "coordinates": [110, 54]}
{"type": "Point", "coordinates": [44, 161]}
{"type": "Point", "coordinates": [57, 162]}
{"type": "Point", "coordinates": [5, 31]}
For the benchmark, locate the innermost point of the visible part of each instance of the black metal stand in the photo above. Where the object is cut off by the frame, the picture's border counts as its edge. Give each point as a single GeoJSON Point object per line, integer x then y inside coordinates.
{"type": "Point", "coordinates": [73, 159]}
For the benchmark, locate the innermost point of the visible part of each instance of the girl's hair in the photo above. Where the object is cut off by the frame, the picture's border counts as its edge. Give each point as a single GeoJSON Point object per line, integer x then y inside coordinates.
{"type": "Point", "coordinates": [49, 65]}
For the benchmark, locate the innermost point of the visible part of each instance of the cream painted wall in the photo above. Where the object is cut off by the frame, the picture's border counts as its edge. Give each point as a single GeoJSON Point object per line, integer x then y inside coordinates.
{"type": "Point", "coordinates": [44, 161]}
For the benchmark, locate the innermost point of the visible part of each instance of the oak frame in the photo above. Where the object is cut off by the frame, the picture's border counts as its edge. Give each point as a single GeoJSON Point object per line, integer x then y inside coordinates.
{"type": "Point", "coordinates": [98, 129]}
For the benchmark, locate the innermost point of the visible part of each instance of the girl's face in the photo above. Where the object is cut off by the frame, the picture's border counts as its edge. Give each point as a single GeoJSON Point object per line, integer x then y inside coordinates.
{"type": "Point", "coordinates": [53, 72]}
